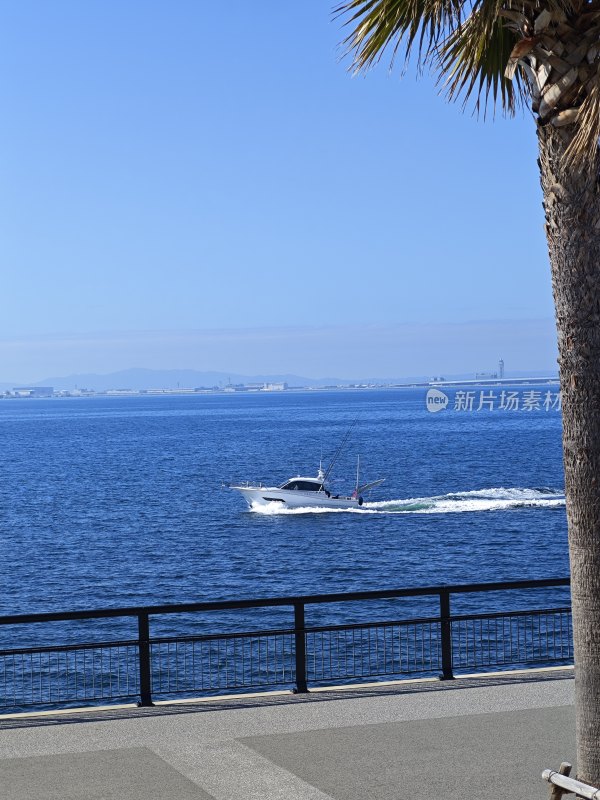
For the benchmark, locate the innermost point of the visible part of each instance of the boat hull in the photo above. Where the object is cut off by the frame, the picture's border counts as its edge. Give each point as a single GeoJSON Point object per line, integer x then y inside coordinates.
{"type": "Point", "coordinates": [264, 496]}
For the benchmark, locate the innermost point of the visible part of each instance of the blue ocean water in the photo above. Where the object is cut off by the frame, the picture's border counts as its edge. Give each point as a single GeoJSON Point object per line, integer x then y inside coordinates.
{"type": "Point", "coordinates": [113, 501]}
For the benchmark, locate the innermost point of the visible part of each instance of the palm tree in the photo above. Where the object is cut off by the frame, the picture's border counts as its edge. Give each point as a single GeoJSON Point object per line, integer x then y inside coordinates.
{"type": "Point", "coordinates": [545, 55]}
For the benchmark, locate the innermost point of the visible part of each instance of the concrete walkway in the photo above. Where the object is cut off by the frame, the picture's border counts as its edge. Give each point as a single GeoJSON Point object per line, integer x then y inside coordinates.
{"type": "Point", "coordinates": [474, 738]}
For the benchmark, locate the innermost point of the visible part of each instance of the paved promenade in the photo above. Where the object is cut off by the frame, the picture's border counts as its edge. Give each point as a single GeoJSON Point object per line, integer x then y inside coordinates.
{"type": "Point", "coordinates": [473, 739]}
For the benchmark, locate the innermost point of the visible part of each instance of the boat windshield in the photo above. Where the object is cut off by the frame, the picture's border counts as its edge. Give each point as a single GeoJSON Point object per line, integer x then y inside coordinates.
{"type": "Point", "coordinates": [303, 485]}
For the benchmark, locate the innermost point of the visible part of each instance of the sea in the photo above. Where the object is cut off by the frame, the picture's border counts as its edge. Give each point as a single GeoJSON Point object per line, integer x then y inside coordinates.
{"type": "Point", "coordinates": [122, 501]}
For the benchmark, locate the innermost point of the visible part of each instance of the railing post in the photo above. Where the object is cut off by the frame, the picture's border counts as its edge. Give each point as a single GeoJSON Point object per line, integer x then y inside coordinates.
{"type": "Point", "coordinates": [300, 648]}
{"type": "Point", "coordinates": [446, 630]}
{"type": "Point", "coordinates": [144, 660]}
{"type": "Point", "coordinates": [556, 792]}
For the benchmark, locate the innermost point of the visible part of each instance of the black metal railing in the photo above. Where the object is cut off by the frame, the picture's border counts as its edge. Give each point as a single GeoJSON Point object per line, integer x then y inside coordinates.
{"type": "Point", "coordinates": [144, 667]}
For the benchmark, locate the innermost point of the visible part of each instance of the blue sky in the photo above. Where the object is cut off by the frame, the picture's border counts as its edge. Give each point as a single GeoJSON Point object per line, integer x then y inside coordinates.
{"type": "Point", "coordinates": [195, 166]}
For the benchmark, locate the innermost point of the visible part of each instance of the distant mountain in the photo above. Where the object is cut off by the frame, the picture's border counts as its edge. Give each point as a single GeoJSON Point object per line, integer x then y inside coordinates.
{"type": "Point", "coordinates": [175, 378]}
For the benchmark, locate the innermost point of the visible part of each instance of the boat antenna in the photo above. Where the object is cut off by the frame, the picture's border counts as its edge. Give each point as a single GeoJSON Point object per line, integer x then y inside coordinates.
{"type": "Point", "coordinates": [357, 472]}
{"type": "Point", "coordinates": [341, 446]}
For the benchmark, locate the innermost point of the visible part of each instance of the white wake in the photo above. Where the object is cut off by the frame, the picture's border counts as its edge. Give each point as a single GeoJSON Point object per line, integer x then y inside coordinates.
{"type": "Point", "coordinates": [496, 499]}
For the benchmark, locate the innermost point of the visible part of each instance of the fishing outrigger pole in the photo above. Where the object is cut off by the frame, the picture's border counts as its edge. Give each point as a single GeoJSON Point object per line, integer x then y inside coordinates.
{"type": "Point", "coordinates": [338, 452]}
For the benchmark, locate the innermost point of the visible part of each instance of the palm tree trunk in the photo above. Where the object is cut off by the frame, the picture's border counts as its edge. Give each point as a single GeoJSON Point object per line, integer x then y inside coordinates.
{"type": "Point", "coordinates": [572, 206]}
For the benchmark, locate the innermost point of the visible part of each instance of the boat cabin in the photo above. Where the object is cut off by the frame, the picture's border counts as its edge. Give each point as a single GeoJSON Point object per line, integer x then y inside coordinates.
{"type": "Point", "coordinates": [304, 485]}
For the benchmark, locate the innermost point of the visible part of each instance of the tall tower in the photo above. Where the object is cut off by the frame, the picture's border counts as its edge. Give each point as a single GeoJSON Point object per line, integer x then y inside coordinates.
{"type": "Point", "coordinates": [501, 368]}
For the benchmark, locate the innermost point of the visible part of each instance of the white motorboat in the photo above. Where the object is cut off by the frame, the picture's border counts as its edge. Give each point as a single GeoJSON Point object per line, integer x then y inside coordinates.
{"type": "Point", "coordinates": [302, 492]}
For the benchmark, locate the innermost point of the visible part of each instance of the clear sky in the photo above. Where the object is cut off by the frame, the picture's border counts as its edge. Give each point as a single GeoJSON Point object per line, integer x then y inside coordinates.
{"type": "Point", "coordinates": [188, 166]}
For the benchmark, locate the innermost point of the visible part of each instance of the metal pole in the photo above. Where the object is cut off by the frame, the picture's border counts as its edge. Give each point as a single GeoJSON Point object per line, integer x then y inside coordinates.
{"type": "Point", "coordinates": [300, 649]}
{"type": "Point", "coordinates": [446, 626]}
{"type": "Point", "coordinates": [144, 657]}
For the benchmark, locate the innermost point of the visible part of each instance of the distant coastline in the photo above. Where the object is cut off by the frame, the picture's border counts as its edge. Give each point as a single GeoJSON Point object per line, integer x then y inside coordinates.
{"type": "Point", "coordinates": [48, 392]}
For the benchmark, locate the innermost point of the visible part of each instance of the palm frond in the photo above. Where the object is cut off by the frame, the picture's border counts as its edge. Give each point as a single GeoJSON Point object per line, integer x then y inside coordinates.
{"type": "Point", "coordinates": [474, 45]}
{"type": "Point", "coordinates": [383, 25]}
{"type": "Point", "coordinates": [474, 56]}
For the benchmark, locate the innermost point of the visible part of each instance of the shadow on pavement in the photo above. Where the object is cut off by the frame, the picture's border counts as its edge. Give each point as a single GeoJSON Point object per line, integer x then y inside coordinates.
{"type": "Point", "coordinates": [264, 701]}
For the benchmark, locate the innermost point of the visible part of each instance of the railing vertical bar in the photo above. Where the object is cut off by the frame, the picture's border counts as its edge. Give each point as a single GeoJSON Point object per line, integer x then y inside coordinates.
{"type": "Point", "coordinates": [144, 660]}
{"type": "Point", "coordinates": [345, 653]}
{"type": "Point", "coordinates": [193, 666]}
{"type": "Point", "coordinates": [388, 666]}
{"type": "Point", "coordinates": [330, 641]}
{"type": "Point", "coordinates": [446, 633]}
{"type": "Point", "coordinates": [267, 665]}
{"type": "Point", "coordinates": [300, 647]}
{"type": "Point", "coordinates": [376, 631]}
{"type": "Point", "coordinates": [561, 634]}
{"type": "Point", "coordinates": [202, 684]}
